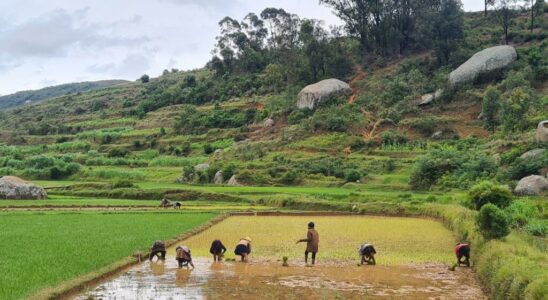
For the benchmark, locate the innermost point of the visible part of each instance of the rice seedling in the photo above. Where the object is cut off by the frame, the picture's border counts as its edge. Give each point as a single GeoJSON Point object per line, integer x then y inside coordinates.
{"type": "Point", "coordinates": [397, 240]}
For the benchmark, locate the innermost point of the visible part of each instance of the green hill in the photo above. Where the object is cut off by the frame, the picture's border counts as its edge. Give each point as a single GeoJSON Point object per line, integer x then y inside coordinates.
{"type": "Point", "coordinates": [27, 97]}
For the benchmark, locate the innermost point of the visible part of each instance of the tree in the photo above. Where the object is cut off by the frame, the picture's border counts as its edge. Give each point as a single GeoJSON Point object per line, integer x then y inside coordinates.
{"type": "Point", "coordinates": [145, 78]}
{"type": "Point", "coordinates": [505, 12]}
{"type": "Point", "coordinates": [448, 29]}
{"type": "Point", "coordinates": [492, 222]}
{"type": "Point", "coordinates": [487, 3]}
{"type": "Point", "coordinates": [490, 107]}
{"type": "Point", "coordinates": [488, 192]}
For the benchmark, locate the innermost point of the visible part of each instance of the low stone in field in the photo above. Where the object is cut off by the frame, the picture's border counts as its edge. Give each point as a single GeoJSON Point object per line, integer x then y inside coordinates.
{"type": "Point", "coordinates": [233, 181]}
{"type": "Point", "coordinates": [319, 92]}
{"type": "Point", "coordinates": [218, 179]}
{"type": "Point", "coordinates": [533, 185]}
{"type": "Point", "coordinates": [201, 167]}
{"type": "Point", "coordinates": [12, 187]}
{"type": "Point", "coordinates": [483, 62]}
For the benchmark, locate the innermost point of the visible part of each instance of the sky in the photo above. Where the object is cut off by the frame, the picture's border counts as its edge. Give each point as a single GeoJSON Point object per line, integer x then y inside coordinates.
{"type": "Point", "coordinates": [44, 43]}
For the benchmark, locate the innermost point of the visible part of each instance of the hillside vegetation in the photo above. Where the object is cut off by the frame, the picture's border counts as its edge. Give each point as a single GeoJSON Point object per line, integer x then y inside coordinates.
{"type": "Point", "coordinates": [375, 151]}
{"type": "Point", "coordinates": [26, 97]}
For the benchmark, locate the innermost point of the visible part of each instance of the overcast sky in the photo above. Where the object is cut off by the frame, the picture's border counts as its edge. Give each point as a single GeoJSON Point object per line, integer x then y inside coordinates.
{"type": "Point", "coordinates": [49, 42]}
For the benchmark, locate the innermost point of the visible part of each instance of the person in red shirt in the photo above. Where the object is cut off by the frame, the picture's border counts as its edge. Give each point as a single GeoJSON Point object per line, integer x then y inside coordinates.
{"type": "Point", "coordinates": [463, 250]}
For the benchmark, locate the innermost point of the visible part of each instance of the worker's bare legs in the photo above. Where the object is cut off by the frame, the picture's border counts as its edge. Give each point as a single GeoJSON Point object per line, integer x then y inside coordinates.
{"type": "Point", "coordinates": [306, 257]}
{"type": "Point", "coordinates": [363, 259]}
{"type": "Point", "coordinates": [313, 257]}
{"type": "Point", "coordinates": [244, 257]}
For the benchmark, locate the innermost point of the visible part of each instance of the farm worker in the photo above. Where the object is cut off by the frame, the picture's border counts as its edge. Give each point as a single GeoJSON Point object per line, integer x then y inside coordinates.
{"type": "Point", "coordinates": [158, 249]}
{"type": "Point", "coordinates": [164, 203]}
{"type": "Point", "coordinates": [217, 249]}
{"type": "Point", "coordinates": [176, 205]}
{"type": "Point", "coordinates": [243, 248]}
{"type": "Point", "coordinates": [312, 242]}
{"type": "Point", "coordinates": [367, 252]}
{"type": "Point", "coordinates": [463, 250]}
{"type": "Point", "coordinates": [183, 256]}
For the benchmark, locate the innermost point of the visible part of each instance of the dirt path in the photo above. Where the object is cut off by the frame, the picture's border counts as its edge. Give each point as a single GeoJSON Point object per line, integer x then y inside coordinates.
{"type": "Point", "coordinates": [360, 75]}
{"type": "Point", "coordinates": [262, 280]}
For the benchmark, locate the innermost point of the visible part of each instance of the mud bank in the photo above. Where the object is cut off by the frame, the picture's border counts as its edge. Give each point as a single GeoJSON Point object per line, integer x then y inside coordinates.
{"type": "Point", "coordinates": [261, 280]}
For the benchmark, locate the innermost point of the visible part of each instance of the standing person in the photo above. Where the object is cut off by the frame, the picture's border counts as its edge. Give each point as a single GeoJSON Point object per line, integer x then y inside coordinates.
{"type": "Point", "coordinates": [183, 256]}
{"type": "Point", "coordinates": [217, 249]}
{"type": "Point", "coordinates": [312, 242]}
{"type": "Point", "coordinates": [462, 250]}
{"type": "Point", "coordinates": [243, 248]}
{"type": "Point", "coordinates": [158, 249]}
{"type": "Point", "coordinates": [367, 252]}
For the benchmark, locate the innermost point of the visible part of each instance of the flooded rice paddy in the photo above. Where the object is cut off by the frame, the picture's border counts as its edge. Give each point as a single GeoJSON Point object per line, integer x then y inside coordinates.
{"type": "Point", "coordinates": [334, 277]}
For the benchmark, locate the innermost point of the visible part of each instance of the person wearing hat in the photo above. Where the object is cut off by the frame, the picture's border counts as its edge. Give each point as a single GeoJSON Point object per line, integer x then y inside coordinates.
{"type": "Point", "coordinates": [243, 248]}
{"type": "Point", "coordinates": [312, 242]}
{"type": "Point", "coordinates": [183, 256]}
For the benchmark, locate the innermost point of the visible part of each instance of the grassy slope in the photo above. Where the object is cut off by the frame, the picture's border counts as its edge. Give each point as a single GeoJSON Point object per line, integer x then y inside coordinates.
{"type": "Point", "coordinates": [42, 250]}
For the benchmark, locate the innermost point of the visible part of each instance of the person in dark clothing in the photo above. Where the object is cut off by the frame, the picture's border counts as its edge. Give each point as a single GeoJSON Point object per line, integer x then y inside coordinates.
{"type": "Point", "coordinates": [367, 253]}
{"type": "Point", "coordinates": [217, 249]}
{"type": "Point", "coordinates": [164, 203]}
{"type": "Point", "coordinates": [243, 248]}
{"type": "Point", "coordinates": [183, 256]}
{"type": "Point", "coordinates": [312, 242]}
{"type": "Point", "coordinates": [158, 249]}
{"type": "Point", "coordinates": [462, 250]}
{"type": "Point", "coordinates": [176, 205]}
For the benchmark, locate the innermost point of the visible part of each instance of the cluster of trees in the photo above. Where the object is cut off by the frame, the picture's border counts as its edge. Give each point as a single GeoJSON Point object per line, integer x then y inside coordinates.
{"type": "Point", "coordinates": [282, 45]}
{"type": "Point", "coordinates": [388, 26]}
{"type": "Point", "coordinates": [192, 121]}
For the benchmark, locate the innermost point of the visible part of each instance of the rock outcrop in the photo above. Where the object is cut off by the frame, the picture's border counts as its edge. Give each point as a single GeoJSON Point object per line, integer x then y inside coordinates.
{"type": "Point", "coordinates": [201, 167]}
{"type": "Point", "coordinates": [218, 179]}
{"type": "Point", "coordinates": [268, 123]}
{"type": "Point", "coordinates": [314, 94]}
{"type": "Point", "coordinates": [542, 132]}
{"type": "Point", "coordinates": [427, 99]}
{"type": "Point", "coordinates": [483, 62]}
{"type": "Point", "coordinates": [532, 154]}
{"type": "Point", "coordinates": [233, 181]}
{"type": "Point", "coordinates": [533, 185]}
{"type": "Point", "coordinates": [12, 187]}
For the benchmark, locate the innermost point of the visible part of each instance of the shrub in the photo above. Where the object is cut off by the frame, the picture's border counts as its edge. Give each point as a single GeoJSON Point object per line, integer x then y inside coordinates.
{"type": "Point", "coordinates": [145, 78]}
{"type": "Point", "coordinates": [116, 152]}
{"type": "Point", "coordinates": [489, 192]}
{"type": "Point", "coordinates": [208, 149]}
{"type": "Point", "coordinates": [537, 228]}
{"type": "Point", "coordinates": [492, 222]}
{"type": "Point", "coordinates": [290, 177]}
{"type": "Point", "coordinates": [122, 183]}
{"type": "Point", "coordinates": [393, 137]}
{"type": "Point", "coordinates": [352, 175]}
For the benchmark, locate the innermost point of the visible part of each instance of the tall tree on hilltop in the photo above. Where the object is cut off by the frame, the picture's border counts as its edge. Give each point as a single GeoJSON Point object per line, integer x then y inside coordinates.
{"type": "Point", "coordinates": [448, 30]}
{"type": "Point", "coordinates": [505, 11]}
{"type": "Point", "coordinates": [486, 4]}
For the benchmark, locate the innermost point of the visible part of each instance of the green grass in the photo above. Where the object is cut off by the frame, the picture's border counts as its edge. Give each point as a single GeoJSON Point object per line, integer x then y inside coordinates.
{"type": "Point", "coordinates": [43, 250]}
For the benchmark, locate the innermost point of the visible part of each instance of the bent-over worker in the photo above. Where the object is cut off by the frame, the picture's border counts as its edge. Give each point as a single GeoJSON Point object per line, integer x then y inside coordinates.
{"type": "Point", "coordinates": [367, 252]}
{"type": "Point", "coordinates": [183, 256]}
{"type": "Point", "coordinates": [158, 249]}
{"type": "Point", "coordinates": [217, 249]}
{"type": "Point", "coordinates": [462, 250]}
{"type": "Point", "coordinates": [243, 248]}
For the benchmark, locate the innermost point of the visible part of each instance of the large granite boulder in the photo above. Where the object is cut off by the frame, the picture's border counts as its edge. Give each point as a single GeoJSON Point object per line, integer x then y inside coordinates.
{"type": "Point", "coordinates": [314, 94]}
{"type": "Point", "coordinates": [201, 167]}
{"type": "Point", "coordinates": [533, 185]}
{"type": "Point", "coordinates": [542, 132]}
{"type": "Point", "coordinates": [483, 62]}
{"type": "Point", "coordinates": [12, 187]}
{"type": "Point", "coordinates": [533, 154]}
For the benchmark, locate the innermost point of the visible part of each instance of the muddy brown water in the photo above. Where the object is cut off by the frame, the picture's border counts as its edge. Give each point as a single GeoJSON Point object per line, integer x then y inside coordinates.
{"type": "Point", "coordinates": [270, 280]}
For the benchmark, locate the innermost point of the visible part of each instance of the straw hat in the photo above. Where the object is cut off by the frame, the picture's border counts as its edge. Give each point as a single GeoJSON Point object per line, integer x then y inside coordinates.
{"type": "Point", "coordinates": [247, 239]}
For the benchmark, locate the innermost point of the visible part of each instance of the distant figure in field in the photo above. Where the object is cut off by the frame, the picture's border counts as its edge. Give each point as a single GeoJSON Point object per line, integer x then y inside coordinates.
{"type": "Point", "coordinates": [463, 250]}
{"type": "Point", "coordinates": [243, 248]}
{"type": "Point", "coordinates": [183, 256]}
{"type": "Point", "coordinates": [164, 203]}
{"type": "Point", "coordinates": [177, 205]}
{"type": "Point", "coordinates": [158, 249]}
{"type": "Point", "coordinates": [312, 242]}
{"type": "Point", "coordinates": [367, 253]}
{"type": "Point", "coordinates": [217, 249]}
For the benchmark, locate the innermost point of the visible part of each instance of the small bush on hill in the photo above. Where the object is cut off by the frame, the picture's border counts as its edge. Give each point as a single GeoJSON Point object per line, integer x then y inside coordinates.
{"type": "Point", "coordinates": [352, 175]}
{"type": "Point", "coordinates": [489, 192]}
{"type": "Point", "coordinates": [492, 222]}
